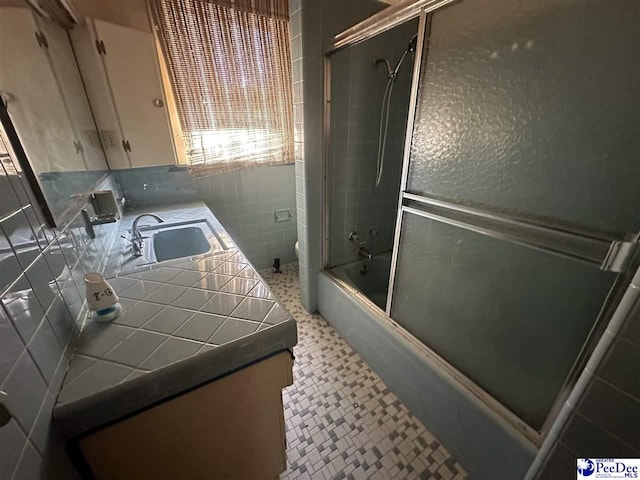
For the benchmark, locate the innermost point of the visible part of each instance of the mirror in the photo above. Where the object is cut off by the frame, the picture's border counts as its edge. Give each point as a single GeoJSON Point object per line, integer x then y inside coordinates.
{"type": "Point", "coordinates": [47, 105]}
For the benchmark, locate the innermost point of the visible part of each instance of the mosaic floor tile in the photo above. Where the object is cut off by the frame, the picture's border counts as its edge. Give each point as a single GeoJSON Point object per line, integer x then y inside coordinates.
{"type": "Point", "coordinates": [342, 420]}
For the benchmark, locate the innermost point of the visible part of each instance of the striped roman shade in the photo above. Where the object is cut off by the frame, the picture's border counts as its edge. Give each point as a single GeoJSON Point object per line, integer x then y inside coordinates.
{"type": "Point", "coordinates": [229, 66]}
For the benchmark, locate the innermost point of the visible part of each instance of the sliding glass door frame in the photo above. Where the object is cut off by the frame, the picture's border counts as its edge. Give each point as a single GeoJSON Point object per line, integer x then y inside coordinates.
{"type": "Point", "coordinates": [385, 20]}
{"type": "Point", "coordinates": [608, 252]}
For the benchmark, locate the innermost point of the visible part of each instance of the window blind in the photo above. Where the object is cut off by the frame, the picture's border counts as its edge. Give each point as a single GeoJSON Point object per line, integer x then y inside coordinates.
{"type": "Point", "coordinates": [229, 66]}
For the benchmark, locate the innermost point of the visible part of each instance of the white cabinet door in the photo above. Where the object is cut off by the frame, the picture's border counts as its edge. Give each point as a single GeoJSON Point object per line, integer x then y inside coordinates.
{"type": "Point", "coordinates": [72, 90]}
{"type": "Point", "coordinates": [132, 70]}
{"type": "Point", "coordinates": [97, 85]}
{"type": "Point", "coordinates": [35, 102]}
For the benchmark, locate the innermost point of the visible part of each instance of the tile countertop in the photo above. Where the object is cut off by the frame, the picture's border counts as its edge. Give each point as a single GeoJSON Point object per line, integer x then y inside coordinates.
{"type": "Point", "coordinates": [184, 322]}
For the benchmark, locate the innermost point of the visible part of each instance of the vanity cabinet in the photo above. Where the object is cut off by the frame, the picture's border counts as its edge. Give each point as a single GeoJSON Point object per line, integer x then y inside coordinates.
{"type": "Point", "coordinates": [231, 428]}
{"type": "Point", "coordinates": [123, 77]}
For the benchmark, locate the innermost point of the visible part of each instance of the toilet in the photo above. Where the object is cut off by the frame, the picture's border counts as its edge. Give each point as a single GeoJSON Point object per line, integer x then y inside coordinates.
{"type": "Point", "coordinates": [297, 247]}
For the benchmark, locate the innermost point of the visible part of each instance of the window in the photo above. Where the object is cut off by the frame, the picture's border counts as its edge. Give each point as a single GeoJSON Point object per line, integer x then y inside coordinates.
{"type": "Point", "coordinates": [229, 68]}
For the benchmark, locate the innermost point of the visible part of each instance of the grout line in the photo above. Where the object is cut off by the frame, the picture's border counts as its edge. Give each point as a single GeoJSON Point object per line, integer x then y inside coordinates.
{"type": "Point", "coordinates": [25, 351]}
{"type": "Point", "coordinates": [15, 212]}
{"type": "Point", "coordinates": [217, 329]}
{"type": "Point", "coordinates": [618, 389]}
{"type": "Point", "coordinates": [273, 307]}
{"type": "Point", "coordinates": [102, 357]}
{"type": "Point", "coordinates": [600, 427]}
{"type": "Point", "coordinates": [620, 337]}
{"type": "Point", "coordinates": [139, 367]}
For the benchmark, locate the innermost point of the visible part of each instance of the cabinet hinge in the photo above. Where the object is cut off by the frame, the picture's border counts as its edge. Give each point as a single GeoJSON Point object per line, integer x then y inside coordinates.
{"type": "Point", "coordinates": [100, 47]}
{"type": "Point", "coordinates": [126, 146]}
{"type": "Point", "coordinates": [42, 40]}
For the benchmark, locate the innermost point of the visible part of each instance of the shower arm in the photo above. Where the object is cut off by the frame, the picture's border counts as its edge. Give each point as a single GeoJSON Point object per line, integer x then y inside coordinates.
{"type": "Point", "coordinates": [390, 73]}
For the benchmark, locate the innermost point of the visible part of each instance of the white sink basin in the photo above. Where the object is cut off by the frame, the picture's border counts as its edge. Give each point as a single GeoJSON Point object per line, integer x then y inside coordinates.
{"type": "Point", "coordinates": [177, 240]}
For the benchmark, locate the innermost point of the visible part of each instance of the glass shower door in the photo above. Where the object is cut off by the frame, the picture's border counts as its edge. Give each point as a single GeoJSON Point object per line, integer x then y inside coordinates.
{"type": "Point", "coordinates": [511, 318]}
{"type": "Point", "coordinates": [519, 211]}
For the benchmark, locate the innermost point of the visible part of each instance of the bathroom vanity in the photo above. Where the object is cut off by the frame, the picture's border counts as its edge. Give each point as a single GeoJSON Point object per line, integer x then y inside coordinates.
{"type": "Point", "coordinates": [186, 382]}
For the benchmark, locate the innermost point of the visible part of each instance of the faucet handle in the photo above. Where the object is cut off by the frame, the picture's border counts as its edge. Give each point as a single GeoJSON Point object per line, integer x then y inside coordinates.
{"type": "Point", "coordinates": [133, 239]}
{"type": "Point", "coordinates": [354, 237]}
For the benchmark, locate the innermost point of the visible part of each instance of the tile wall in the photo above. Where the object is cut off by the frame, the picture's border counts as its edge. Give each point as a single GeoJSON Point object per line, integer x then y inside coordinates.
{"type": "Point", "coordinates": [358, 88]}
{"type": "Point", "coordinates": [244, 201]}
{"type": "Point", "coordinates": [41, 296]}
{"type": "Point", "coordinates": [295, 32]}
{"type": "Point", "coordinates": [319, 22]}
{"type": "Point", "coordinates": [603, 420]}
{"type": "Point", "coordinates": [59, 187]}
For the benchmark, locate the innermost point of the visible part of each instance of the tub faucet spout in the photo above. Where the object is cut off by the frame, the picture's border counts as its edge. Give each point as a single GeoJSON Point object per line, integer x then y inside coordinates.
{"type": "Point", "coordinates": [360, 247]}
{"type": "Point", "coordinates": [363, 252]}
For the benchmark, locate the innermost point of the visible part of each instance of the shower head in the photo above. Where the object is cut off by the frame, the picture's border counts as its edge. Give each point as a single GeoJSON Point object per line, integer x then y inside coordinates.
{"type": "Point", "coordinates": [387, 64]}
{"type": "Point", "coordinates": [392, 73]}
{"type": "Point", "coordinates": [411, 48]}
{"type": "Point", "coordinates": [412, 43]}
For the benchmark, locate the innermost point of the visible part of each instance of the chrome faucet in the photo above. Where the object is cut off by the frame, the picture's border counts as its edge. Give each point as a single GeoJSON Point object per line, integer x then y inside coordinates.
{"type": "Point", "coordinates": [360, 247]}
{"type": "Point", "coordinates": [136, 237]}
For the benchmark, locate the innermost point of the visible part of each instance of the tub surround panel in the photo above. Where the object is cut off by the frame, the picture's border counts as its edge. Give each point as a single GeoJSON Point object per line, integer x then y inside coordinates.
{"type": "Point", "coordinates": [41, 311]}
{"type": "Point", "coordinates": [244, 201]}
{"type": "Point", "coordinates": [185, 322]}
{"type": "Point", "coordinates": [486, 445]}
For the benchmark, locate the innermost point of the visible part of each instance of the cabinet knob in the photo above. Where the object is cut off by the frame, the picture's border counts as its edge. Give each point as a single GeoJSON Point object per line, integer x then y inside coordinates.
{"type": "Point", "coordinates": [158, 102]}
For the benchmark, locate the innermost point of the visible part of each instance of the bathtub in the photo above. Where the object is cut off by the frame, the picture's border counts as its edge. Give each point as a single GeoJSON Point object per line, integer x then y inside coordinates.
{"type": "Point", "coordinates": [466, 425]}
{"type": "Point", "coordinates": [369, 277]}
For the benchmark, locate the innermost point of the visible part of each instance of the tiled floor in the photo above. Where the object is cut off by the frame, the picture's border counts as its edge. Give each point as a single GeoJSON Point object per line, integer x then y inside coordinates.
{"type": "Point", "coordinates": [342, 421]}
